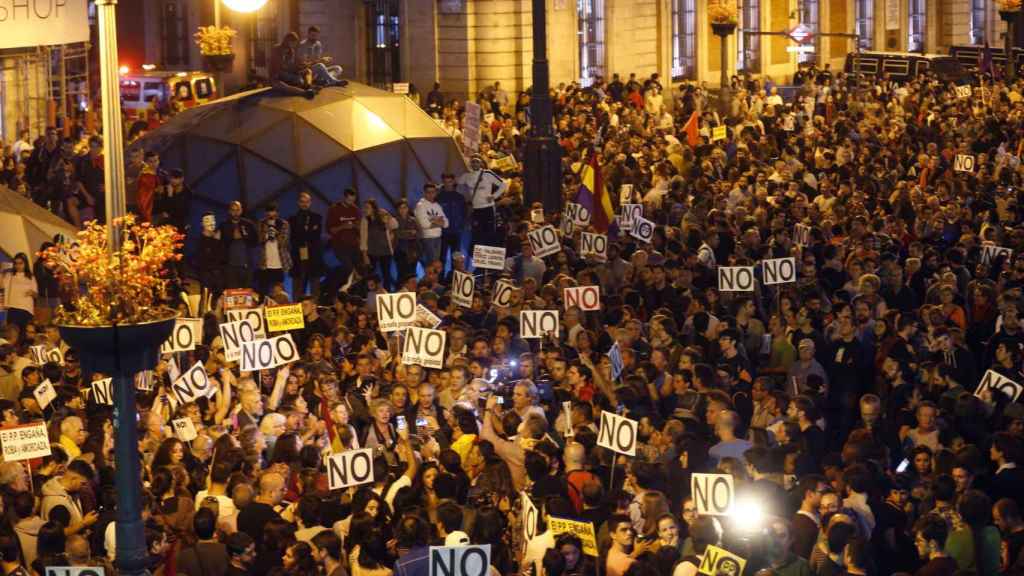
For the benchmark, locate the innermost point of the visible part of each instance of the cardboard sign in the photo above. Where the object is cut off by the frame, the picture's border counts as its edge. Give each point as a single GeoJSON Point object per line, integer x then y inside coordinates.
{"type": "Point", "coordinates": [234, 334]}
{"type": "Point", "coordinates": [594, 246]}
{"type": "Point", "coordinates": [991, 253]}
{"type": "Point", "coordinates": [144, 380]}
{"type": "Point", "coordinates": [103, 391]}
{"type": "Point", "coordinates": [578, 214]}
{"type": "Point", "coordinates": [583, 530]}
{"type": "Point", "coordinates": [544, 241]}
{"type": "Point", "coordinates": [186, 334]}
{"type": "Point", "coordinates": [617, 433]}
{"type": "Point", "coordinates": [44, 394]}
{"type": "Point", "coordinates": [462, 289]}
{"type": "Point", "coordinates": [642, 229]}
{"type": "Point", "coordinates": [735, 278]}
{"type": "Point", "coordinates": [718, 133]}
{"type": "Point", "coordinates": [281, 318]}
{"type": "Point", "coordinates": [239, 298]}
{"type": "Point", "coordinates": [537, 323]}
{"type": "Point", "coordinates": [425, 318]}
{"type": "Point", "coordinates": [995, 381]}
{"type": "Point", "coordinates": [587, 298]}
{"type": "Point", "coordinates": [255, 317]}
{"type": "Point", "coordinates": [963, 92]}
{"type": "Point", "coordinates": [568, 228]}
{"type": "Point", "coordinates": [625, 194]}
{"type": "Point", "coordinates": [963, 163]}
{"type": "Point", "coordinates": [530, 516]}
{"type": "Point", "coordinates": [40, 355]}
{"type": "Point", "coordinates": [193, 384]}
{"type": "Point", "coordinates": [25, 442]}
{"type": "Point", "coordinates": [396, 311]}
{"type": "Point", "coordinates": [350, 468]}
{"type": "Point", "coordinates": [628, 213]}
{"type": "Point", "coordinates": [471, 126]}
{"type": "Point", "coordinates": [473, 560]}
{"type": "Point", "coordinates": [503, 290]}
{"type": "Point", "coordinates": [719, 561]}
{"type": "Point", "coordinates": [184, 429]}
{"type": "Point", "coordinates": [425, 347]}
{"type": "Point", "coordinates": [778, 271]}
{"type": "Point", "coordinates": [489, 257]}
{"type": "Point", "coordinates": [268, 353]}
{"type": "Point", "coordinates": [713, 494]}
{"type": "Point", "coordinates": [802, 234]}
{"type": "Point", "coordinates": [537, 215]}
{"type": "Point", "coordinates": [400, 87]}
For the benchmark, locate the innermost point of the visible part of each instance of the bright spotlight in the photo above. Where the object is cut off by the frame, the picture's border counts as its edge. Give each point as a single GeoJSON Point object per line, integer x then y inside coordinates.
{"type": "Point", "coordinates": [123, 69]}
{"type": "Point", "coordinates": [245, 5]}
{"type": "Point", "coordinates": [148, 67]}
{"type": "Point", "coordinates": [748, 514]}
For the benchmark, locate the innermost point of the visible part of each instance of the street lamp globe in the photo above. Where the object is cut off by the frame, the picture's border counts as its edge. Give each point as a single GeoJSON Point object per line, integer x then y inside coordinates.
{"type": "Point", "coordinates": [245, 5]}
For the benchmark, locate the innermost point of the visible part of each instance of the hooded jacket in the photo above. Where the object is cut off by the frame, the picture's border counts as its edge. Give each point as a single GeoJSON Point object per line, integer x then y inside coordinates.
{"type": "Point", "coordinates": [55, 495]}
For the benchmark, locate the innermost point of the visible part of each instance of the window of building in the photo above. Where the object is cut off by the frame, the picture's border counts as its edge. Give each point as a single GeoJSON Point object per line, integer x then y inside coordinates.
{"type": "Point", "coordinates": [174, 32]}
{"type": "Point", "coordinates": [915, 36]}
{"type": "Point", "coordinates": [809, 16]}
{"type": "Point", "coordinates": [748, 41]}
{"type": "Point", "coordinates": [684, 39]}
{"type": "Point", "coordinates": [979, 16]}
{"type": "Point", "coordinates": [383, 32]}
{"type": "Point", "coordinates": [864, 16]}
{"type": "Point", "coordinates": [264, 37]}
{"type": "Point", "coordinates": [590, 14]}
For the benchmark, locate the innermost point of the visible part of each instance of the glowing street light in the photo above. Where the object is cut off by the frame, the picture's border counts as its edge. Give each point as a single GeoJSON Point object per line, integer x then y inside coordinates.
{"type": "Point", "coordinates": [245, 5]}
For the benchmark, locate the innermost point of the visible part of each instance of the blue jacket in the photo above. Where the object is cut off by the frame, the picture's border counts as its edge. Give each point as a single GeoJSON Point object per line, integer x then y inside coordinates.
{"type": "Point", "coordinates": [454, 206]}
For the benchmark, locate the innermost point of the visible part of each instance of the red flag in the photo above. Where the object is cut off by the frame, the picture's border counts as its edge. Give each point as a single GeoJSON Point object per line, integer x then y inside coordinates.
{"type": "Point", "coordinates": [692, 131]}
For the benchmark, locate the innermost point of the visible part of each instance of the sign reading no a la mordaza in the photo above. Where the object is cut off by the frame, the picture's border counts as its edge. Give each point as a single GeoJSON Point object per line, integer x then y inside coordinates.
{"type": "Point", "coordinates": [26, 23]}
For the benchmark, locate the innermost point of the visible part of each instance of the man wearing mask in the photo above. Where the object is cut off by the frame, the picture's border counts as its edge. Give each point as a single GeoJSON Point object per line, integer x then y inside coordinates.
{"type": "Point", "coordinates": [238, 236]}
{"type": "Point", "coordinates": [306, 228]}
{"type": "Point", "coordinates": [481, 187]}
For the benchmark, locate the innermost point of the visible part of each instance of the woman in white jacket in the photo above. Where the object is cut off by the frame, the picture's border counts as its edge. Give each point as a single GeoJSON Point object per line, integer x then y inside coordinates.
{"type": "Point", "coordinates": [19, 292]}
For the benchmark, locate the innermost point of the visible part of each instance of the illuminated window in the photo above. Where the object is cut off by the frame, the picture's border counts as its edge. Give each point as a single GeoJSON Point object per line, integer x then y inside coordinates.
{"type": "Point", "coordinates": [684, 39]}
{"type": "Point", "coordinates": [979, 16]}
{"type": "Point", "coordinates": [809, 17]}
{"type": "Point", "coordinates": [864, 17]}
{"type": "Point", "coordinates": [915, 36]}
{"type": "Point", "coordinates": [384, 27]}
{"type": "Point", "coordinates": [590, 15]}
{"type": "Point", "coordinates": [749, 43]}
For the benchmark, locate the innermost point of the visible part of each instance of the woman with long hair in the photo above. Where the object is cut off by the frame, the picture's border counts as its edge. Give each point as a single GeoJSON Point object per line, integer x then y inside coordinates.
{"type": "Point", "coordinates": [298, 560]}
{"type": "Point", "coordinates": [20, 290]}
{"type": "Point", "coordinates": [489, 526]}
{"type": "Point", "coordinates": [376, 240]}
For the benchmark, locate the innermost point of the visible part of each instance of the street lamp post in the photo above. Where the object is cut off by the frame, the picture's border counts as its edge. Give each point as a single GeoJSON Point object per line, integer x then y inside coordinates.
{"type": "Point", "coordinates": [543, 162]}
{"type": "Point", "coordinates": [723, 30]}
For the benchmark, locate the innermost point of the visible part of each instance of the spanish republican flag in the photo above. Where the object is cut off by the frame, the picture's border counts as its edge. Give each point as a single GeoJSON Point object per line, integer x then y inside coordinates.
{"type": "Point", "coordinates": [594, 196]}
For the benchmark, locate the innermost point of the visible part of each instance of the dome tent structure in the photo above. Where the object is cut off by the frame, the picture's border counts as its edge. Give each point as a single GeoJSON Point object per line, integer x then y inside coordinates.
{"type": "Point", "coordinates": [259, 147]}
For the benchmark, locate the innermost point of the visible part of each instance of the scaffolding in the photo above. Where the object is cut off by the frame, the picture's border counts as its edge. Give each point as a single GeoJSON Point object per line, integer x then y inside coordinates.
{"type": "Point", "coordinates": [43, 86]}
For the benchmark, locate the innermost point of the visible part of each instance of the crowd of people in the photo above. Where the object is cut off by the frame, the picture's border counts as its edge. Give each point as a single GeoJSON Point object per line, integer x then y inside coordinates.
{"type": "Point", "coordinates": [866, 412]}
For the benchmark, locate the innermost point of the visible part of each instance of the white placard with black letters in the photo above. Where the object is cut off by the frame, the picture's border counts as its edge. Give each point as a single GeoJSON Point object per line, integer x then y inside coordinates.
{"type": "Point", "coordinates": [396, 311]}
{"type": "Point", "coordinates": [642, 229]}
{"type": "Point", "coordinates": [712, 494]}
{"type": "Point", "coordinates": [778, 271]}
{"type": "Point", "coordinates": [425, 347]}
{"type": "Point", "coordinates": [617, 433]}
{"type": "Point", "coordinates": [186, 334]}
{"type": "Point", "coordinates": [963, 163]}
{"type": "Point", "coordinates": [594, 246]}
{"type": "Point", "coordinates": [255, 317]}
{"type": "Point", "coordinates": [735, 278]}
{"type": "Point", "coordinates": [544, 241]}
{"type": "Point", "coordinates": [587, 298]}
{"type": "Point", "coordinates": [184, 429]}
{"type": "Point", "coordinates": [578, 214]}
{"type": "Point", "coordinates": [234, 334]}
{"type": "Point", "coordinates": [462, 289]}
{"type": "Point", "coordinates": [489, 257]}
{"type": "Point", "coordinates": [537, 323]}
{"type": "Point", "coordinates": [993, 380]}
{"type": "Point", "coordinates": [103, 391]}
{"type": "Point", "coordinates": [350, 468]}
{"type": "Point", "coordinates": [193, 384]}
{"type": "Point", "coordinates": [503, 291]}
{"type": "Point", "coordinates": [628, 213]}
{"type": "Point", "coordinates": [472, 560]}
{"type": "Point", "coordinates": [990, 253]}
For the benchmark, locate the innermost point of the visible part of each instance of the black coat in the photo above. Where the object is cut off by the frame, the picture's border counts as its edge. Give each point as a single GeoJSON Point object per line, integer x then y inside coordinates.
{"type": "Point", "coordinates": [306, 232]}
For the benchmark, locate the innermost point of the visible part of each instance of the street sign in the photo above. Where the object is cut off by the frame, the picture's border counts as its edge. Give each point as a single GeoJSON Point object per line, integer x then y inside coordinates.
{"type": "Point", "coordinates": [801, 34]}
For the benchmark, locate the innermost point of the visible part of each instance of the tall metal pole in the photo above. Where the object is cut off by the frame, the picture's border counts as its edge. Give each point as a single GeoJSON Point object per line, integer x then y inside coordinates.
{"type": "Point", "coordinates": [723, 30]}
{"type": "Point", "coordinates": [218, 75]}
{"type": "Point", "coordinates": [543, 160]}
{"type": "Point", "coordinates": [132, 553]}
